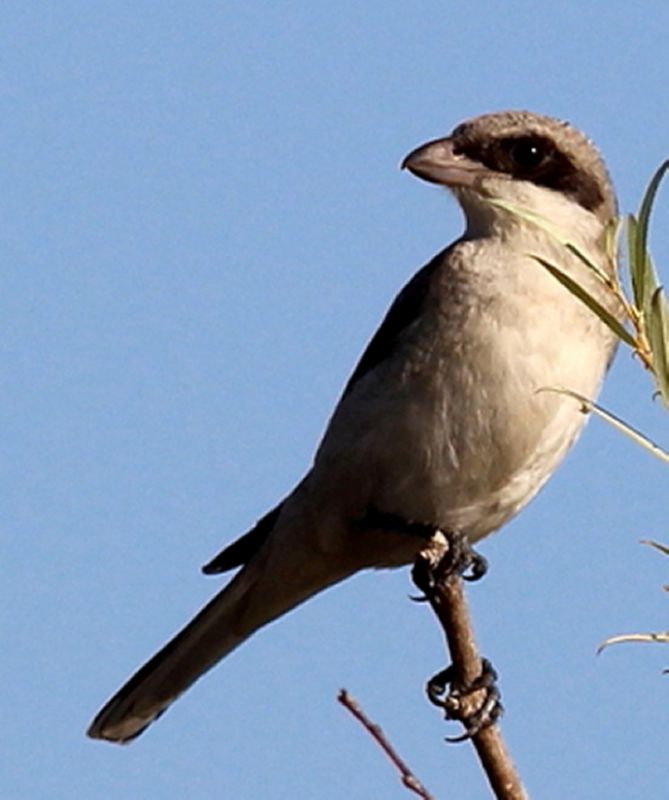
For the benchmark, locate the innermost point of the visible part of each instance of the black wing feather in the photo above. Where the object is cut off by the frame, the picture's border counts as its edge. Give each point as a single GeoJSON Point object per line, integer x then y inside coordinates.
{"type": "Point", "coordinates": [406, 307]}
{"type": "Point", "coordinates": [241, 550]}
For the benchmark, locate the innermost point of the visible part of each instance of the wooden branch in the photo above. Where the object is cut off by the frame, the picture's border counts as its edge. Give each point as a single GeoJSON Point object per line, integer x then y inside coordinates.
{"type": "Point", "coordinates": [406, 775]}
{"type": "Point", "coordinates": [446, 597]}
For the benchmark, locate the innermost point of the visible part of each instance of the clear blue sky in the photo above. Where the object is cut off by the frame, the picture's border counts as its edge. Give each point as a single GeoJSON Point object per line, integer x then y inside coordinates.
{"type": "Point", "coordinates": [203, 222]}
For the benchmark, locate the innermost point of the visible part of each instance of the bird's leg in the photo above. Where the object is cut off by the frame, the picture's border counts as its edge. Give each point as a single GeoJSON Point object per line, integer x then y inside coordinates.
{"type": "Point", "coordinates": [464, 693]}
{"type": "Point", "coordinates": [455, 555]}
{"type": "Point", "coordinates": [466, 690]}
{"type": "Point", "coordinates": [456, 558]}
{"type": "Point", "coordinates": [459, 558]}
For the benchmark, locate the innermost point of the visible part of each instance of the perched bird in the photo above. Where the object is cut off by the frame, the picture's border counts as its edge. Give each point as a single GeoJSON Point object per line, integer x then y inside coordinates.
{"type": "Point", "coordinates": [441, 422]}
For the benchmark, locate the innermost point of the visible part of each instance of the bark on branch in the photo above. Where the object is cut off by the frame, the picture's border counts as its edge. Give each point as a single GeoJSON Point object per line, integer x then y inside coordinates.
{"type": "Point", "coordinates": [446, 598]}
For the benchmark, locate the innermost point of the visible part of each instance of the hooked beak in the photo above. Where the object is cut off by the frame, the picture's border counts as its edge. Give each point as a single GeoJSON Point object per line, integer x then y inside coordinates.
{"type": "Point", "coordinates": [437, 162]}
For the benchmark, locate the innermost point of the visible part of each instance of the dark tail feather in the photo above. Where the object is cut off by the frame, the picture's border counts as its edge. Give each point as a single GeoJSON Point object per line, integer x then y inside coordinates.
{"type": "Point", "coordinates": [212, 634]}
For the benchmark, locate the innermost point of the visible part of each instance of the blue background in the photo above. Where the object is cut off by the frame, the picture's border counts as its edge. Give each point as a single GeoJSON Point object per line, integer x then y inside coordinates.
{"type": "Point", "coordinates": [202, 223]}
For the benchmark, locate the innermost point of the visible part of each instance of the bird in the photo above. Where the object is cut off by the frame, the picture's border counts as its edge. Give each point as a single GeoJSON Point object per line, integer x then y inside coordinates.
{"type": "Point", "coordinates": [443, 421]}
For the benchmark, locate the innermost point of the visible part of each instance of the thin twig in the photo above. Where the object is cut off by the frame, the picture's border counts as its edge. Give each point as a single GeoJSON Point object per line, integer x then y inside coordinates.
{"type": "Point", "coordinates": [446, 597]}
{"type": "Point", "coordinates": [407, 776]}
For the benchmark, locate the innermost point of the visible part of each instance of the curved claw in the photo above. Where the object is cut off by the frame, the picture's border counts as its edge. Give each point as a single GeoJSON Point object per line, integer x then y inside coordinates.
{"type": "Point", "coordinates": [437, 686]}
{"type": "Point", "coordinates": [478, 566]}
{"type": "Point", "coordinates": [487, 715]}
{"type": "Point", "coordinates": [460, 559]}
{"type": "Point", "coordinates": [444, 691]}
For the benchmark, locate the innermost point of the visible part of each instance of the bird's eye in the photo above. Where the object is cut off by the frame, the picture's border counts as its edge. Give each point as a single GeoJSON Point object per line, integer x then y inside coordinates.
{"type": "Point", "coordinates": [527, 154]}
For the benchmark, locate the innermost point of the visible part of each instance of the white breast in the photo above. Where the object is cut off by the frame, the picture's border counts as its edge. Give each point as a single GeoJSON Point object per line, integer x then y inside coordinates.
{"type": "Point", "coordinates": [453, 430]}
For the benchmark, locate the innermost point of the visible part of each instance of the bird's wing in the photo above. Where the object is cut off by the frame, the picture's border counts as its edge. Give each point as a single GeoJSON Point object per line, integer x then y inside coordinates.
{"type": "Point", "coordinates": [406, 308]}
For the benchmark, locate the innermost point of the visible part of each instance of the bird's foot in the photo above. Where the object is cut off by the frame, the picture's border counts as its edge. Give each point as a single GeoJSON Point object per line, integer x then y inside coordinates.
{"type": "Point", "coordinates": [476, 705]}
{"type": "Point", "coordinates": [454, 556]}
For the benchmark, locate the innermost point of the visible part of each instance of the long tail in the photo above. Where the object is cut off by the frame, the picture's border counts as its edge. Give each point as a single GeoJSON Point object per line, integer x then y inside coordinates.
{"type": "Point", "coordinates": [258, 594]}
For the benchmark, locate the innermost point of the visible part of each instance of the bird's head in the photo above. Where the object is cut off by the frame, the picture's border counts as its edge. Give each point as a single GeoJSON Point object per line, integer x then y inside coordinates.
{"type": "Point", "coordinates": [535, 162]}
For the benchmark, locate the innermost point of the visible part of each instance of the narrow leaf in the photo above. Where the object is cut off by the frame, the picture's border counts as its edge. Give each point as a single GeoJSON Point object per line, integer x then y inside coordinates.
{"type": "Point", "coordinates": [649, 283]}
{"type": "Point", "coordinates": [636, 265]}
{"type": "Point", "coordinates": [658, 336]}
{"type": "Point", "coordinates": [636, 436]}
{"type": "Point", "coordinates": [611, 234]}
{"type": "Point", "coordinates": [642, 272]}
{"type": "Point", "coordinates": [646, 206]}
{"type": "Point", "coordinates": [554, 232]}
{"type": "Point", "coordinates": [524, 213]}
{"type": "Point", "coordinates": [588, 262]}
{"type": "Point", "coordinates": [585, 297]}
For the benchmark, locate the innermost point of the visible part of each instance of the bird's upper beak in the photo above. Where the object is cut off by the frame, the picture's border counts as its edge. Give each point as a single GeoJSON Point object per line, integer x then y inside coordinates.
{"type": "Point", "coordinates": [437, 162]}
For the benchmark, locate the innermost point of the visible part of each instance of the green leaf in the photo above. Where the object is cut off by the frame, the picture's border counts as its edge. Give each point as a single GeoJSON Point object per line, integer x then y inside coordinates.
{"type": "Point", "coordinates": [594, 305]}
{"type": "Point", "coordinates": [644, 280]}
{"type": "Point", "coordinates": [658, 338]}
{"type": "Point", "coordinates": [611, 236]}
{"type": "Point", "coordinates": [555, 232]}
{"type": "Point", "coordinates": [636, 265]}
{"type": "Point", "coordinates": [650, 284]}
{"type": "Point", "coordinates": [587, 406]}
{"type": "Point", "coordinates": [574, 250]}
{"type": "Point", "coordinates": [645, 208]}
{"type": "Point", "coordinates": [530, 216]}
